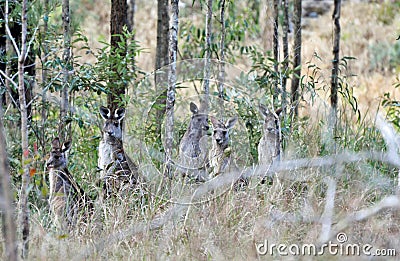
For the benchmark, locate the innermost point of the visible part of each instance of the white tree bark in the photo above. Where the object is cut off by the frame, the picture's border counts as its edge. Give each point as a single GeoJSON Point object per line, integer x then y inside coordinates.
{"type": "Point", "coordinates": [222, 58]}
{"type": "Point", "coordinates": [24, 134]}
{"type": "Point", "coordinates": [206, 81]}
{"type": "Point", "coordinates": [66, 68]}
{"type": "Point", "coordinates": [169, 124]}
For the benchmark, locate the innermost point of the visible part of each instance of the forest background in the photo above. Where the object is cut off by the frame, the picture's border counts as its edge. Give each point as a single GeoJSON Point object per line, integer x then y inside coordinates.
{"type": "Point", "coordinates": [339, 169]}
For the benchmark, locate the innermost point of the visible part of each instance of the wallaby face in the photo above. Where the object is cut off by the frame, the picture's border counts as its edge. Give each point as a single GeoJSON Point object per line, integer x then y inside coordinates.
{"type": "Point", "coordinates": [270, 120]}
{"type": "Point", "coordinates": [219, 156]}
{"type": "Point", "coordinates": [112, 129]}
{"type": "Point", "coordinates": [269, 146]}
{"type": "Point", "coordinates": [221, 131]}
{"type": "Point", "coordinates": [57, 158]}
{"type": "Point", "coordinates": [199, 121]}
{"type": "Point", "coordinates": [198, 127]}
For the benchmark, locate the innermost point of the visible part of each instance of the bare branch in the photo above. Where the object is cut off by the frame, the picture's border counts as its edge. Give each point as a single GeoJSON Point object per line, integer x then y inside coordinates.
{"type": "Point", "coordinates": [9, 32]}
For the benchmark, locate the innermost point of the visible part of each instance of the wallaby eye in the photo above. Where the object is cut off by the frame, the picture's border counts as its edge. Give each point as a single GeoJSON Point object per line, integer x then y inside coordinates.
{"type": "Point", "coordinates": [224, 133]}
{"type": "Point", "coordinates": [116, 124]}
{"type": "Point", "coordinates": [215, 132]}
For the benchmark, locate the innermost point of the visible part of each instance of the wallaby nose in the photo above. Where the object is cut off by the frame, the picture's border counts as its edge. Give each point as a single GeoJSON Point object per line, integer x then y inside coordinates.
{"type": "Point", "coordinates": [49, 164]}
{"type": "Point", "coordinates": [111, 133]}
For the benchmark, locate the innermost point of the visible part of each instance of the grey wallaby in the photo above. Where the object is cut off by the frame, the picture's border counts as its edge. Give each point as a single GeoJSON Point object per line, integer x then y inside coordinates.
{"type": "Point", "coordinates": [269, 148]}
{"type": "Point", "coordinates": [117, 170]}
{"type": "Point", "coordinates": [67, 199]}
{"type": "Point", "coordinates": [192, 153]}
{"type": "Point", "coordinates": [220, 154]}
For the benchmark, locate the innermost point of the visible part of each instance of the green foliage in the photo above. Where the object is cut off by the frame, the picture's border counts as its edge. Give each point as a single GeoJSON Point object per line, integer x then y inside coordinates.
{"type": "Point", "coordinates": [98, 77]}
{"type": "Point", "coordinates": [392, 107]}
{"type": "Point", "coordinates": [237, 29]}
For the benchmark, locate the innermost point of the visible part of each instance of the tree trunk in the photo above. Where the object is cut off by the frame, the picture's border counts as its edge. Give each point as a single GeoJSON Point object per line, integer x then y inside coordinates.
{"type": "Point", "coordinates": [222, 58]}
{"type": "Point", "coordinates": [131, 15]}
{"type": "Point", "coordinates": [131, 24]}
{"type": "Point", "coordinates": [335, 67]}
{"type": "Point", "coordinates": [24, 135]}
{"type": "Point", "coordinates": [296, 60]}
{"type": "Point", "coordinates": [118, 21]}
{"type": "Point", "coordinates": [169, 124]}
{"type": "Point", "coordinates": [63, 132]}
{"type": "Point", "coordinates": [45, 52]}
{"type": "Point", "coordinates": [7, 93]}
{"type": "Point", "coordinates": [285, 53]}
{"type": "Point", "coordinates": [162, 59]}
{"type": "Point", "coordinates": [206, 81]}
{"type": "Point", "coordinates": [266, 23]}
{"type": "Point", "coordinates": [276, 51]}
{"type": "Point", "coordinates": [7, 208]}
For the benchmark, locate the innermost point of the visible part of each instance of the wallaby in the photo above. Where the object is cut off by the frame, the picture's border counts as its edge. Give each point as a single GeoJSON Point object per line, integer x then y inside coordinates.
{"type": "Point", "coordinates": [193, 154]}
{"type": "Point", "coordinates": [67, 198]}
{"type": "Point", "coordinates": [121, 176]}
{"type": "Point", "coordinates": [220, 154]}
{"type": "Point", "coordinates": [118, 172]}
{"type": "Point", "coordinates": [269, 148]}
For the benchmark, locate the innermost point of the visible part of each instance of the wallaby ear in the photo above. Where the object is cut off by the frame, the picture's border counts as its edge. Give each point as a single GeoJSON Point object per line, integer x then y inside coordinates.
{"type": "Point", "coordinates": [214, 121]}
{"type": "Point", "coordinates": [66, 146]}
{"type": "Point", "coordinates": [231, 122]}
{"type": "Point", "coordinates": [119, 113]}
{"type": "Point", "coordinates": [56, 143]}
{"type": "Point", "coordinates": [105, 112]}
{"type": "Point", "coordinates": [263, 109]}
{"type": "Point", "coordinates": [278, 111]}
{"type": "Point", "coordinates": [193, 108]}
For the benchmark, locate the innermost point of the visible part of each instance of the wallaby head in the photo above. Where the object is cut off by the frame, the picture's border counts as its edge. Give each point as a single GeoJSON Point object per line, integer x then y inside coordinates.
{"type": "Point", "coordinates": [57, 154]}
{"type": "Point", "coordinates": [112, 129]}
{"type": "Point", "coordinates": [269, 148]}
{"type": "Point", "coordinates": [199, 121]}
{"type": "Point", "coordinates": [271, 120]}
{"type": "Point", "coordinates": [221, 131]}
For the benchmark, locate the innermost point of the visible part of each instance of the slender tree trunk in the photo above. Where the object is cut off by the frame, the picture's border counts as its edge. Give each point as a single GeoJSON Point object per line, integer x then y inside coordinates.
{"type": "Point", "coordinates": [45, 52]}
{"type": "Point", "coordinates": [276, 51]}
{"type": "Point", "coordinates": [24, 134]}
{"type": "Point", "coordinates": [66, 68]}
{"type": "Point", "coordinates": [8, 73]}
{"type": "Point", "coordinates": [131, 15]}
{"type": "Point", "coordinates": [335, 67]}
{"type": "Point", "coordinates": [206, 81]}
{"type": "Point", "coordinates": [285, 53]}
{"type": "Point", "coordinates": [131, 24]}
{"type": "Point", "coordinates": [162, 59]}
{"type": "Point", "coordinates": [6, 207]}
{"type": "Point", "coordinates": [118, 21]}
{"type": "Point", "coordinates": [222, 58]}
{"type": "Point", "coordinates": [296, 60]}
{"type": "Point", "coordinates": [266, 23]}
{"type": "Point", "coordinates": [169, 125]}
